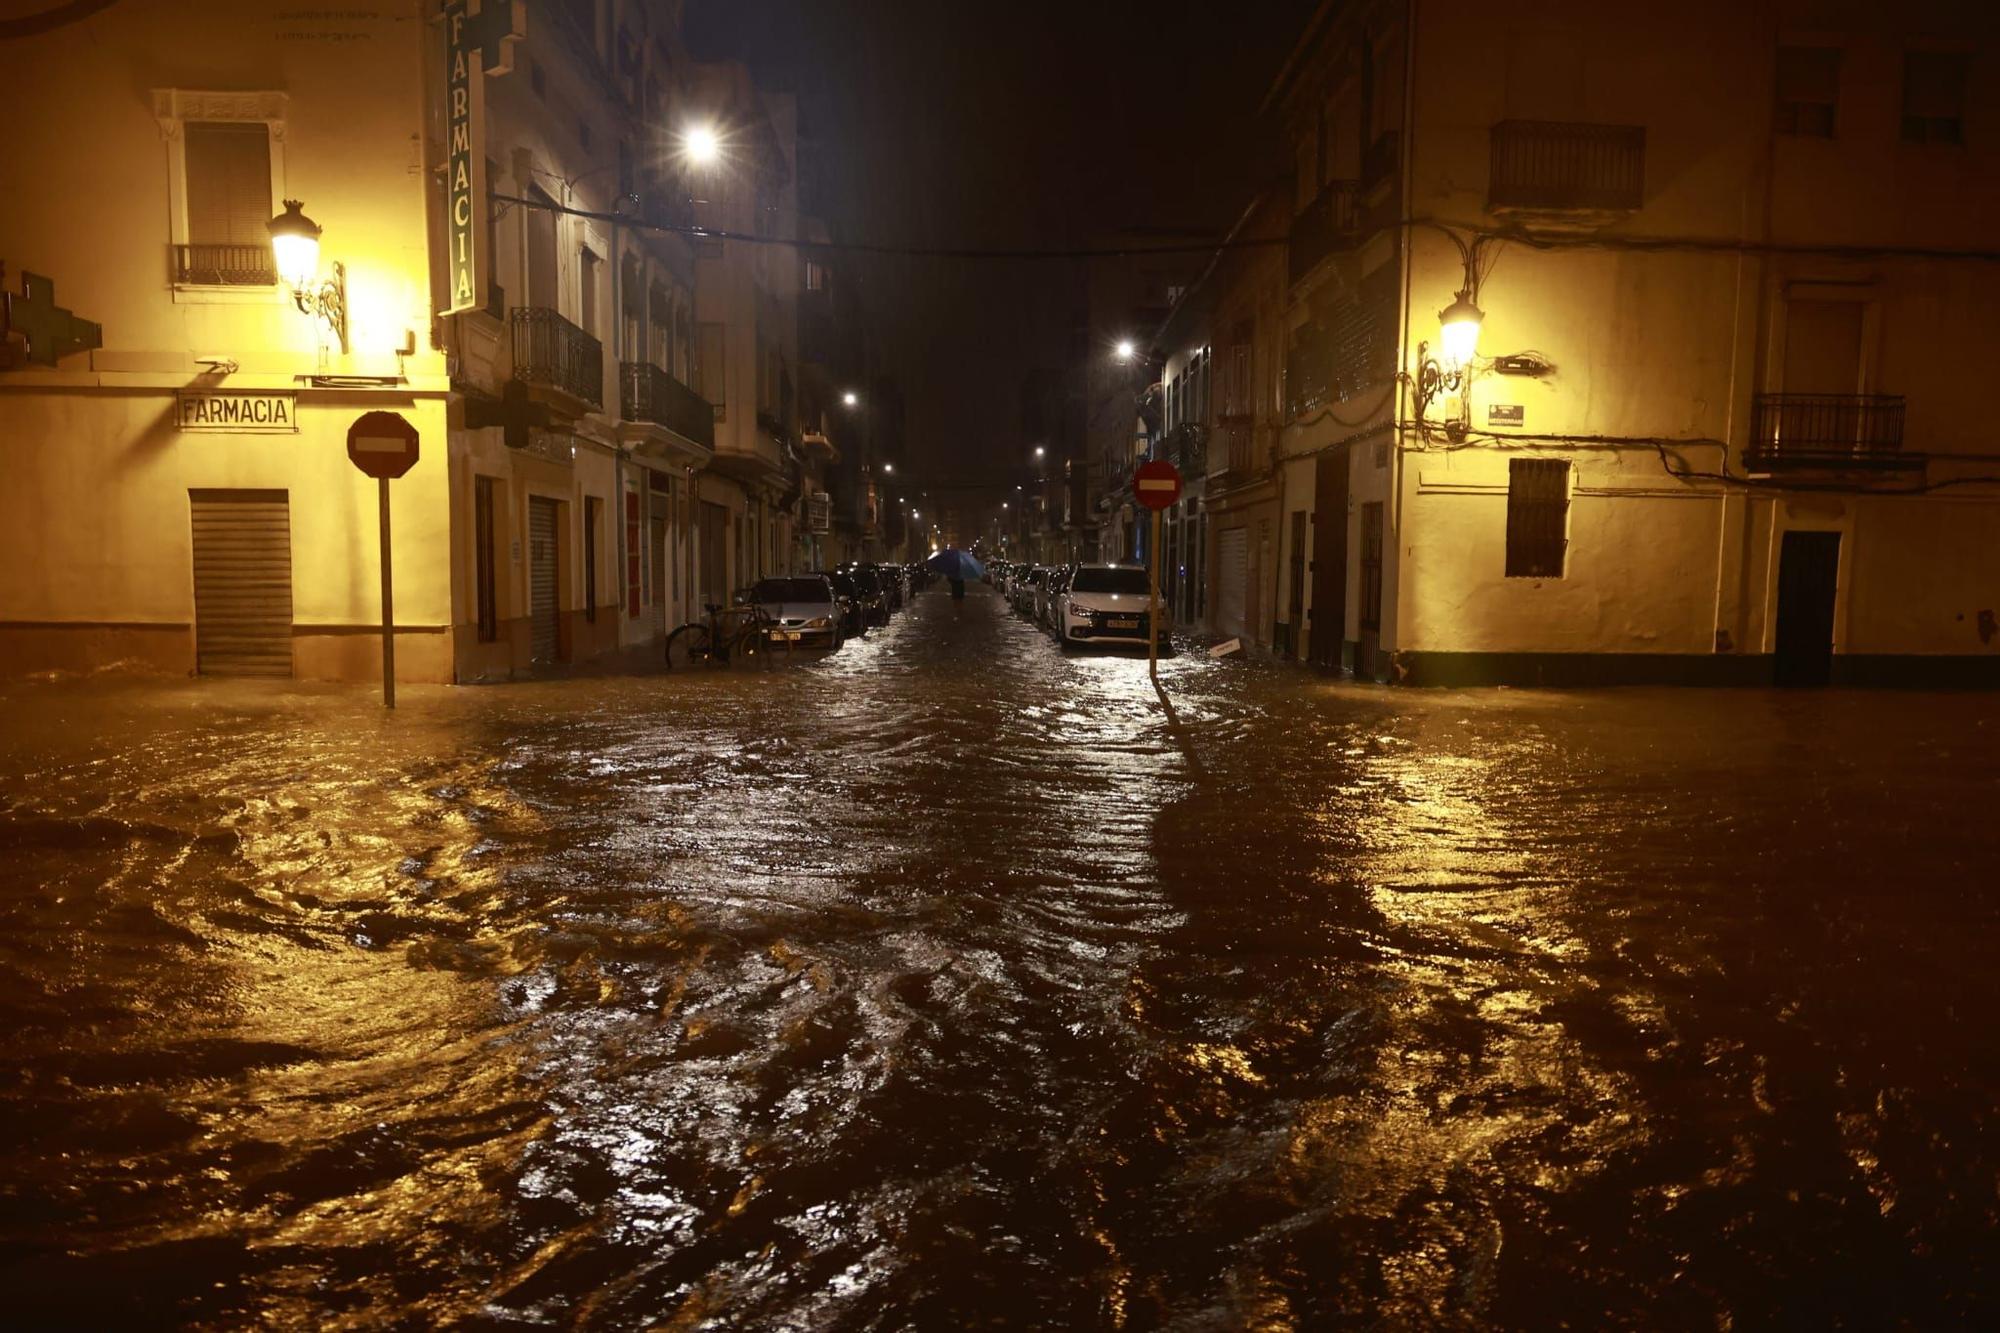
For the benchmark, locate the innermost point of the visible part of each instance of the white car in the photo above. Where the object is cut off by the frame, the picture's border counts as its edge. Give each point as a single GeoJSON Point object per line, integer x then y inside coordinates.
{"type": "Point", "coordinates": [803, 609]}
{"type": "Point", "coordinates": [1107, 604]}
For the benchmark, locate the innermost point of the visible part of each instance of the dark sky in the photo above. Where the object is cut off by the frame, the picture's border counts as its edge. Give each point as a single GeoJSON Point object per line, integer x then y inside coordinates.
{"type": "Point", "coordinates": [1020, 125]}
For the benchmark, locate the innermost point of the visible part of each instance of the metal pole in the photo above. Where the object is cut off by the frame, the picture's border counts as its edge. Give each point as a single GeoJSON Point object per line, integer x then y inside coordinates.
{"type": "Point", "coordinates": [388, 605]}
{"type": "Point", "coordinates": [1153, 616]}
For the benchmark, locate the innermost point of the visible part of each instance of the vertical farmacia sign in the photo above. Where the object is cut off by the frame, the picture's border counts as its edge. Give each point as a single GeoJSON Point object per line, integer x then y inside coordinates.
{"type": "Point", "coordinates": [479, 37]}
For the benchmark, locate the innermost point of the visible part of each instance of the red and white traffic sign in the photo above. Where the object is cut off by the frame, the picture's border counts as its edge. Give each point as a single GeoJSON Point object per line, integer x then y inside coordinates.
{"type": "Point", "coordinates": [1156, 484]}
{"type": "Point", "coordinates": [382, 444]}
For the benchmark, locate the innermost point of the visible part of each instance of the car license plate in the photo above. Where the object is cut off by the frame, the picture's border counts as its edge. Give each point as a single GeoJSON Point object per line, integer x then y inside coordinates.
{"type": "Point", "coordinates": [1124, 624]}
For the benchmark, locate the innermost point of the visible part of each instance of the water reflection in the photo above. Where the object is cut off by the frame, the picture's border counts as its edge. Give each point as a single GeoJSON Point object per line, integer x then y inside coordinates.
{"type": "Point", "coordinates": [942, 981]}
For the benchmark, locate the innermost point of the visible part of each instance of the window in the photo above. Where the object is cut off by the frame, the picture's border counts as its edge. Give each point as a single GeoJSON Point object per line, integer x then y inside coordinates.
{"type": "Point", "coordinates": [1537, 517]}
{"type": "Point", "coordinates": [815, 276]}
{"type": "Point", "coordinates": [1371, 565]}
{"type": "Point", "coordinates": [1934, 96]}
{"type": "Point", "coordinates": [588, 265]}
{"type": "Point", "coordinates": [496, 292]}
{"type": "Point", "coordinates": [1808, 90]}
{"type": "Point", "coordinates": [229, 205]}
{"type": "Point", "coordinates": [482, 558]}
{"type": "Point", "coordinates": [711, 370]}
{"type": "Point", "coordinates": [591, 506]}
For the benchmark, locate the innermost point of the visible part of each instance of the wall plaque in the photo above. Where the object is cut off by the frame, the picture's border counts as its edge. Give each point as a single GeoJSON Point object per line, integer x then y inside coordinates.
{"type": "Point", "coordinates": [233, 412]}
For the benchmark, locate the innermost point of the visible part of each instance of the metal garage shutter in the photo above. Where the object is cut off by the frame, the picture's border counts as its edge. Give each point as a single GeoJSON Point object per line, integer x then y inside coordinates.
{"type": "Point", "coordinates": [1232, 580]}
{"type": "Point", "coordinates": [543, 608]}
{"type": "Point", "coordinates": [242, 583]}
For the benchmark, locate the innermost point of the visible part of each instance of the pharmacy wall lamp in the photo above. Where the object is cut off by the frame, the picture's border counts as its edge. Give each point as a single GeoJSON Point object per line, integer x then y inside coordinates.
{"type": "Point", "coordinates": [295, 248]}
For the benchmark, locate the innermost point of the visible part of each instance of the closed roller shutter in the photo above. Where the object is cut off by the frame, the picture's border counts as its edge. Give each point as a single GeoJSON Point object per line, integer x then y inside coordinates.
{"type": "Point", "coordinates": [1232, 579]}
{"type": "Point", "coordinates": [543, 608]}
{"type": "Point", "coordinates": [242, 583]}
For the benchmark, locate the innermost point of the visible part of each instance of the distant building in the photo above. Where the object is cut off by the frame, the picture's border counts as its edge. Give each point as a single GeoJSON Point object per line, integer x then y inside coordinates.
{"type": "Point", "coordinates": [1733, 262]}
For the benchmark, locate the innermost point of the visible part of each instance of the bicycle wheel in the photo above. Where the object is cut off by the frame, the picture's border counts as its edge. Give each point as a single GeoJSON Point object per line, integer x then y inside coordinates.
{"type": "Point", "coordinates": [749, 645]}
{"type": "Point", "coordinates": [689, 646]}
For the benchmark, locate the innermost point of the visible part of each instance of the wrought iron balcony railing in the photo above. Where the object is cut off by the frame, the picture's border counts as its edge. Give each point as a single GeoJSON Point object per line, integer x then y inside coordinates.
{"type": "Point", "coordinates": [1325, 225]}
{"type": "Point", "coordinates": [225, 265]}
{"type": "Point", "coordinates": [651, 394]}
{"type": "Point", "coordinates": [1562, 165]}
{"type": "Point", "coordinates": [554, 353]}
{"type": "Point", "coordinates": [1186, 447]}
{"type": "Point", "coordinates": [1827, 430]}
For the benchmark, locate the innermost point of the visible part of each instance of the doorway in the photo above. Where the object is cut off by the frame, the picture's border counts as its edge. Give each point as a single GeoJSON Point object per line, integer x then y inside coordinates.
{"type": "Point", "coordinates": [544, 603]}
{"type": "Point", "coordinates": [1295, 587]}
{"type": "Point", "coordinates": [1328, 617]}
{"type": "Point", "coordinates": [1808, 585]}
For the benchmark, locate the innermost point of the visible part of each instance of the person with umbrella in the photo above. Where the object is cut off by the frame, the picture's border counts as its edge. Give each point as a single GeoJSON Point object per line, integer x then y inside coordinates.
{"type": "Point", "coordinates": [957, 567]}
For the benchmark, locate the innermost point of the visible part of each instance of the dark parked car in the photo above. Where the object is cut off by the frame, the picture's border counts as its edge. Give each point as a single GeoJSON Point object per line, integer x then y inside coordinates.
{"type": "Point", "coordinates": [853, 606]}
{"type": "Point", "coordinates": [874, 597]}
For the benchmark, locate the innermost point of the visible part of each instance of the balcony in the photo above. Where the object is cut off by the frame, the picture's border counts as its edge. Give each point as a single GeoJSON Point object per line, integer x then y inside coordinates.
{"type": "Point", "coordinates": [1325, 225]}
{"type": "Point", "coordinates": [1560, 166]}
{"type": "Point", "coordinates": [1333, 361]}
{"type": "Point", "coordinates": [651, 394]}
{"type": "Point", "coordinates": [552, 353]}
{"type": "Point", "coordinates": [1827, 430]}
{"type": "Point", "coordinates": [1186, 447]}
{"type": "Point", "coordinates": [1239, 440]}
{"type": "Point", "coordinates": [224, 265]}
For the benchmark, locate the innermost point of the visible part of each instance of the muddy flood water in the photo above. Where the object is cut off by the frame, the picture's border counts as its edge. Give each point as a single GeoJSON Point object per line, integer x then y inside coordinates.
{"type": "Point", "coordinates": [941, 983]}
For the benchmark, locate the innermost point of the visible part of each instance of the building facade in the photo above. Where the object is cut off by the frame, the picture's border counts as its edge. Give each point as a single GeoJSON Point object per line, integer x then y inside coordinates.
{"type": "Point", "coordinates": [604, 400]}
{"type": "Point", "coordinates": [1726, 264]}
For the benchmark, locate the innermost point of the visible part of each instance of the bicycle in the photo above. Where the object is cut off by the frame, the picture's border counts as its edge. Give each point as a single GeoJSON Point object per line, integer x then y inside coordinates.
{"type": "Point", "coordinates": [729, 633]}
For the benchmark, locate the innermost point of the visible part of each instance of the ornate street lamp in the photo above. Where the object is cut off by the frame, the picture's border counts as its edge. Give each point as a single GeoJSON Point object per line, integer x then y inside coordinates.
{"type": "Point", "coordinates": [295, 248]}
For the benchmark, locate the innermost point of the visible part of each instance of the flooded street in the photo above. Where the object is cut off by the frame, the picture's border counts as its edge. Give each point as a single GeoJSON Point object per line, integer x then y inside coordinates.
{"type": "Point", "coordinates": [942, 983]}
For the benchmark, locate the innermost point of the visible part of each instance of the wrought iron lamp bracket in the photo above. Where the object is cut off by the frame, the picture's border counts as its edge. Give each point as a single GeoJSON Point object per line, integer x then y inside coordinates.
{"type": "Point", "coordinates": [327, 300]}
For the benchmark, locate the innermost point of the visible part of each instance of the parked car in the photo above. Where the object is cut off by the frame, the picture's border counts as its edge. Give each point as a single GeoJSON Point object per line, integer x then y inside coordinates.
{"type": "Point", "coordinates": [891, 577]}
{"type": "Point", "coordinates": [874, 597]}
{"type": "Point", "coordinates": [853, 607]}
{"type": "Point", "coordinates": [1107, 604]}
{"type": "Point", "coordinates": [1023, 593]}
{"type": "Point", "coordinates": [806, 608]}
{"type": "Point", "coordinates": [1045, 598]}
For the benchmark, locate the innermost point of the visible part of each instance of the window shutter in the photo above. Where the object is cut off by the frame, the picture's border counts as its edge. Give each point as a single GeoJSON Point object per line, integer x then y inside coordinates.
{"type": "Point", "coordinates": [228, 183]}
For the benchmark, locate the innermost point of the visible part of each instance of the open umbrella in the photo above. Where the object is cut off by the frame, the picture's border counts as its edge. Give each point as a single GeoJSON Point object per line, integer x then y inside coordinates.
{"type": "Point", "coordinates": [956, 564]}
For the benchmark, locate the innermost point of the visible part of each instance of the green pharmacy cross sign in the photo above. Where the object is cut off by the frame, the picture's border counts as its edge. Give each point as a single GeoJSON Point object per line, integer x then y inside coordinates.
{"type": "Point", "coordinates": [49, 330]}
{"type": "Point", "coordinates": [479, 36]}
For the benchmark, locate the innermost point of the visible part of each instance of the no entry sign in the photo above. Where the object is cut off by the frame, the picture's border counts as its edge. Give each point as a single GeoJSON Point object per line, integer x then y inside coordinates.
{"type": "Point", "coordinates": [1156, 484]}
{"type": "Point", "coordinates": [382, 444]}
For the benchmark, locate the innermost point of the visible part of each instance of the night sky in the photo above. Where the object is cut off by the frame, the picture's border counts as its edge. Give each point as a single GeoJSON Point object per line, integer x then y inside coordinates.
{"type": "Point", "coordinates": [1025, 125]}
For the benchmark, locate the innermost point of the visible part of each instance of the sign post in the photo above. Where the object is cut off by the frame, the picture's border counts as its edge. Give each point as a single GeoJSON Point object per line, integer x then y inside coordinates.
{"type": "Point", "coordinates": [384, 446]}
{"type": "Point", "coordinates": [1156, 485]}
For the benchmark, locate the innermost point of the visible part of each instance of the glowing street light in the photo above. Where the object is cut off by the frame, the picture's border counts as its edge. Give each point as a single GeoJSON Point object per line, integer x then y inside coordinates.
{"type": "Point", "coordinates": [1039, 451]}
{"type": "Point", "coordinates": [850, 398]}
{"type": "Point", "coordinates": [1126, 349]}
{"type": "Point", "coordinates": [888, 467]}
{"type": "Point", "coordinates": [700, 145]}
{"type": "Point", "coordinates": [1459, 337]}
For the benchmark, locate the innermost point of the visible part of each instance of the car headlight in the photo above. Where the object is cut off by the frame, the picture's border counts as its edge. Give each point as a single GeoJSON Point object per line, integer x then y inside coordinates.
{"type": "Point", "coordinates": [820, 622]}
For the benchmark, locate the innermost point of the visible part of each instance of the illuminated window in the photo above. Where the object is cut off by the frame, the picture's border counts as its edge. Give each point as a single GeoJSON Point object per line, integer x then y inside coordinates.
{"type": "Point", "coordinates": [1808, 90]}
{"type": "Point", "coordinates": [1934, 96]}
{"type": "Point", "coordinates": [1537, 517]}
